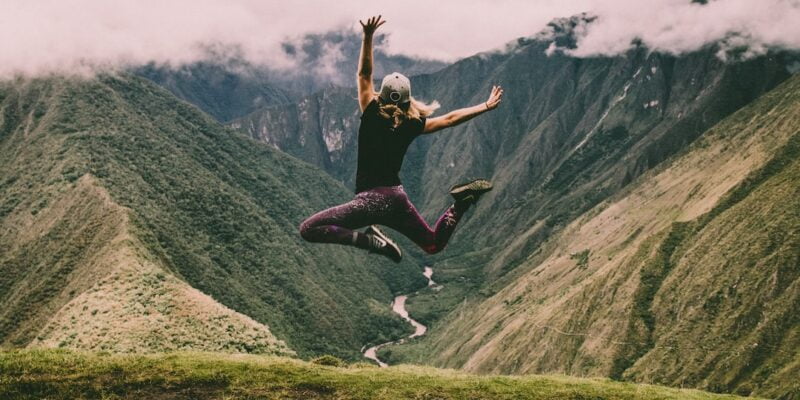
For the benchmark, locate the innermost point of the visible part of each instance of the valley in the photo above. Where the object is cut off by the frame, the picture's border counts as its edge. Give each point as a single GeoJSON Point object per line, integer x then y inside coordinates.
{"type": "Point", "coordinates": [642, 239]}
{"type": "Point", "coordinates": [399, 308]}
{"type": "Point", "coordinates": [573, 140]}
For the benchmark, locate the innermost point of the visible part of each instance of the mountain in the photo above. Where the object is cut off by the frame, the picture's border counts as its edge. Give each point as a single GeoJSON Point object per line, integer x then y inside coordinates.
{"type": "Point", "coordinates": [572, 135]}
{"type": "Point", "coordinates": [131, 221]}
{"type": "Point", "coordinates": [331, 58]}
{"type": "Point", "coordinates": [231, 87]}
{"type": "Point", "coordinates": [321, 129]}
{"type": "Point", "coordinates": [571, 132]}
{"type": "Point", "coordinates": [687, 277]}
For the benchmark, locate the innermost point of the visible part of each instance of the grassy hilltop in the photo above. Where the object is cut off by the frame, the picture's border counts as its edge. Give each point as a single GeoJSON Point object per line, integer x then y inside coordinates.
{"type": "Point", "coordinates": [57, 374]}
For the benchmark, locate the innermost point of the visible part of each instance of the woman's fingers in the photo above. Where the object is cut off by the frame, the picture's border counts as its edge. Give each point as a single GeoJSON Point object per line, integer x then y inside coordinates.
{"type": "Point", "coordinates": [499, 91]}
{"type": "Point", "coordinates": [495, 97]}
{"type": "Point", "coordinates": [372, 23]}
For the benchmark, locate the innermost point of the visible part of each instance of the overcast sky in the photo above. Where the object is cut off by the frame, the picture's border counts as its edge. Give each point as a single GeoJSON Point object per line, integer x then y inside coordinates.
{"type": "Point", "coordinates": [58, 35]}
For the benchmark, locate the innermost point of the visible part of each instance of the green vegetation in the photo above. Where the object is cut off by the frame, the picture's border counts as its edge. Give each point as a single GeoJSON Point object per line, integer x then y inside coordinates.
{"type": "Point", "coordinates": [57, 374]}
{"type": "Point", "coordinates": [651, 276]}
{"type": "Point", "coordinates": [581, 258]}
{"type": "Point", "coordinates": [186, 196]}
{"type": "Point", "coordinates": [329, 360]}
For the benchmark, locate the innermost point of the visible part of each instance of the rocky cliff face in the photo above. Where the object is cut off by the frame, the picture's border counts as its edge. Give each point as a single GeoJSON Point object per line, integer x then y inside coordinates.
{"type": "Point", "coordinates": [320, 129]}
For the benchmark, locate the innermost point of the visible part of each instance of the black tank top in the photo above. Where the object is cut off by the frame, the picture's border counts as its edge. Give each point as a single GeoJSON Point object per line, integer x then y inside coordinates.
{"type": "Point", "coordinates": [381, 148]}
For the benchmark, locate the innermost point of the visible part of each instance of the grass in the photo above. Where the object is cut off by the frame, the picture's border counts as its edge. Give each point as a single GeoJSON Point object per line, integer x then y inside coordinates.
{"type": "Point", "coordinates": [60, 374]}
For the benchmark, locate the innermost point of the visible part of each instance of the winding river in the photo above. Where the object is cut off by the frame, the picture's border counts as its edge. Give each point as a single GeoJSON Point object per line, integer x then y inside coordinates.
{"type": "Point", "coordinates": [399, 307]}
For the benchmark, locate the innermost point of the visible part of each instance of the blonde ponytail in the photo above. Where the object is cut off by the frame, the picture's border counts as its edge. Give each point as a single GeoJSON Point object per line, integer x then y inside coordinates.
{"type": "Point", "coordinates": [415, 110]}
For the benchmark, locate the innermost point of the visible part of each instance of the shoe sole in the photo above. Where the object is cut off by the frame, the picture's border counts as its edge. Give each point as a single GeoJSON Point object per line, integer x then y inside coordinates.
{"type": "Point", "coordinates": [377, 232]}
{"type": "Point", "coordinates": [478, 186]}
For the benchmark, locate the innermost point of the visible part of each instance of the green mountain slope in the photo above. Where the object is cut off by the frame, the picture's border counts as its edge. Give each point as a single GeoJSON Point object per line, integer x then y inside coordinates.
{"type": "Point", "coordinates": [68, 375]}
{"type": "Point", "coordinates": [689, 277]}
{"type": "Point", "coordinates": [118, 202]}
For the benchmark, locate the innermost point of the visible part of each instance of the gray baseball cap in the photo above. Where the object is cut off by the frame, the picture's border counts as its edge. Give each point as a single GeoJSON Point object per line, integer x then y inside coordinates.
{"type": "Point", "coordinates": [396, 89]}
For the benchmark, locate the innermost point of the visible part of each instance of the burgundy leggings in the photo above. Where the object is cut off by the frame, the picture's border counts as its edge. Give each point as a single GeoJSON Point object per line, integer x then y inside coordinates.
{"type": "Point", "coordinates": [385, 205]}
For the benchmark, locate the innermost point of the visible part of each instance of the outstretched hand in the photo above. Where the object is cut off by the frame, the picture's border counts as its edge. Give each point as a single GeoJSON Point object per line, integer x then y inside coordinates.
{"type": "Point", "coordinates": [494, 98]}
{"type": "Point", "coordinates": [372, 24]}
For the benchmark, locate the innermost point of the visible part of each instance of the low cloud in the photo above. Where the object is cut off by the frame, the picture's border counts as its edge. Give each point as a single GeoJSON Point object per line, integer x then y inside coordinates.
{"type": "Point", "coordinates": [80, 36]}
{"type": "Point", "coordinates": [744, 28]}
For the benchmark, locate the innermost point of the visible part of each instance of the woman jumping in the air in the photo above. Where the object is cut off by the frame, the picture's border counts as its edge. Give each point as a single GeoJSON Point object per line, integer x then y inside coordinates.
{"type": "Point", "coordinates": [391, 119]}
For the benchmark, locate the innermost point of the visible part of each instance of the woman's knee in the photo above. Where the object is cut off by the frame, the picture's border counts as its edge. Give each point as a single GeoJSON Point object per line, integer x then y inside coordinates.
{"type": "Point", "coordinates": [432, 248]}
{"type": "Point", "coordinates": [305, 230]}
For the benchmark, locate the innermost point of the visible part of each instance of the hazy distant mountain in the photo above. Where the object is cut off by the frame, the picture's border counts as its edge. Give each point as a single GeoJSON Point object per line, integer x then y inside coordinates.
{"type": "Point", "coordinates": [130, 221]}
{"type": "Point", "coordinates": [332, 59]}
{"type": "Point", "coordinates": [225, 91]}
{"type": "Point", "coordinates": [231, 88]}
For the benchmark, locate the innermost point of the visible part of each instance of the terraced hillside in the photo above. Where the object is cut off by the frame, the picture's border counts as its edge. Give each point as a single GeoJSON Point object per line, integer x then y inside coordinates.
{"type": "Point", "coordinates": [130, 221]}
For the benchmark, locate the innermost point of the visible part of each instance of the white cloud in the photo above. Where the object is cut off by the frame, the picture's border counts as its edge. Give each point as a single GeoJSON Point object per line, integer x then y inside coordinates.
{"type": "Point", "coordinates": [80, 35]}
{"type": "Point", "coordinates": [678, 26]}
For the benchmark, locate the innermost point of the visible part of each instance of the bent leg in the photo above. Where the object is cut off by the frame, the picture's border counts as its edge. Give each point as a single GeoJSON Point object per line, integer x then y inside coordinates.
{"type": "Point", "coordinates": [446, 225]}
{"type": "Point", "coordinates": [337, 224]}
{"type": "Point", "coordinates": [407, 220]}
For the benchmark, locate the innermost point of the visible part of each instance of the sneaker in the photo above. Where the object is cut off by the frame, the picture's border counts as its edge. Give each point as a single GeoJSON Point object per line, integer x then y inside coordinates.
{"type": "Point", "coordinates": [381, 244]}
{"type": "Point", "coordinates": [470, 192]}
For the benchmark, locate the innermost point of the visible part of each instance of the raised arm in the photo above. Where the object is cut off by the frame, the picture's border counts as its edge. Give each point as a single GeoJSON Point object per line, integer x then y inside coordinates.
{"type": "Point", "coordinates": [456, 117]}
{"type": "Point", "coordinates": [366, 92]}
